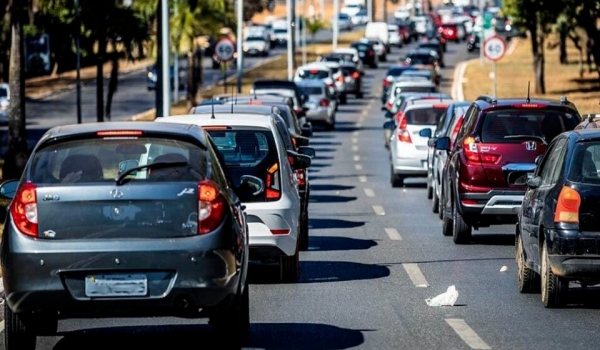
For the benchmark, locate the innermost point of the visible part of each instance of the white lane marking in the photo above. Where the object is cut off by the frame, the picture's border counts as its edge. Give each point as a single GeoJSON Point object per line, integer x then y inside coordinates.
{"type": "Point", "coordinates": [467, 334]}
{"type": "Point", "coordinates": [362, 178]}
{"type": "Point", "coordinates": [2, 323]}
{"type": "Point", "coordinates": [355, 133]}
{"type": "Point", "coordinates": [369, 192]}
{"type": "Point", "coordinates": [354, 140]}
{"type": "Point", "coordinates": [356, 158]}
{"type": "Point", "coordinates": [415, 274]}
{"type": "Point", "coordinates": [359, 125]}
{"type": "Point", "coordinates": [364, 113]}
{"type": "Point", "coordinates": [358, 167]}
{"type": "Point", "coordinates": [378, 209]}
{"type": "Point", "coordinates": [355, 148]}
{"type": "Point", "coordinates": [393, 234]}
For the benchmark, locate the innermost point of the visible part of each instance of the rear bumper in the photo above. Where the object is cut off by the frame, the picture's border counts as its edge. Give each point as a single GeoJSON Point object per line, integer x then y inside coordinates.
{"type": "Point", "coordinates": [495, 206]}
{"type": "Point", "coordinates": [318, 115]}
{"type": "Point", "coordinates": [408, 161]}
{"type": "Point", "coordinates": [573, 254]}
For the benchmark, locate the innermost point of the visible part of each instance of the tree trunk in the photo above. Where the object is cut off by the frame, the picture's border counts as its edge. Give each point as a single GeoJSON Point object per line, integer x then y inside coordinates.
{"type": "Point", "coordinates": [537, 51]}
{"type": "Point", "coordinates": [113, 83]}
{"type": "Point", "coordinates": [100, 74]}
{"type": "Point", "coordinates": [17, 154]}
{"type": "Point", "coordinates": [587, 19]}
{"type": "Point", "coordinates": [562, 45]}
{"type": "Point", "coordinates": [576, 42]}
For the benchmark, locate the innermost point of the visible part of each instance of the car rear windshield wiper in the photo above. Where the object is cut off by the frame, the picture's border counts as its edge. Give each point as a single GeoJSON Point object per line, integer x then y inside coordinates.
{"type": "Point", "coordinates": [527, 137]}
{"type": "Point", "coordinates": [152, 166]}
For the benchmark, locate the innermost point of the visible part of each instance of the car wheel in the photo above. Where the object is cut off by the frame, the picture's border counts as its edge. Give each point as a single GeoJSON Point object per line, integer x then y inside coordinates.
{"type": "Point", "coordinates": [395, 179]}
{"type": "Point", "coordinates": [435, 200]}
{"type": "Point", "coordinates": [233, 323]}
{"type": "Point", "coordinates": [429, 188]}
{"type": "Point", "coordinates": [304, 233]}
{"type": "Point", "coordinates": [16, 336]}
{"type": "Point", "coordinates": [344, 99]}
{"type": "Point", "coordinates": [527, 279]}
{"type": "Point", "coordinates": [461, 232]}
{"type": "Point", "coordinates": [331, 125]}
{"type": "Point", "coordinates": [383, 58]}
{"type": "Point", "coordinates": [446, 220]}
{"type": "Point", "coordinates": [289, 267]}
{"type": "Point", "coordinates": [554, 289]}
{"type": "Point", "coordinates": [440, 201]}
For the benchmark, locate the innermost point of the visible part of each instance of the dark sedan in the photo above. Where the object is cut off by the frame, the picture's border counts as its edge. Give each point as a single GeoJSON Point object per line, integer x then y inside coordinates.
{"type": "Point", "coordinates": [124, 219]}
{"type": "Point", "coordinates": [366, 53]}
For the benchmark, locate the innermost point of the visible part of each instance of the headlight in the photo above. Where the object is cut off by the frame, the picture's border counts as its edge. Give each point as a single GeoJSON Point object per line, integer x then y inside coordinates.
{"type": "Point", "coordinates": [150, 75]}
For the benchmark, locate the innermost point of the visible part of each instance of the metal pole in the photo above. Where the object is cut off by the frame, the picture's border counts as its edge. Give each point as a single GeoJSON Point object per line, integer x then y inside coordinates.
{"type": "Point", "coordinates": [481, 33]}
{"type": "Point", "coordinates": [290, 44]}
{"type": "Point", "coordinates": [304, 48]}
{"type": "Point", "coordinates": [78, 61]}
{"type": "Point", "coordinates": [240, 48]}
{"type": "Point", "coordinates": [176, 60]}
{"type": "Point", "coordinates": [334, 24]}
{"type": "Point", "coordinates": [322, 9]}
{"type": "Point", "coordinates": [370, 10]}
{"type": "Point", "coordinates": [164, 79]}
{"type": "Point", "coordinates": [495, 79]}
{"type": "Point", "coordinates": [383, 11]}
{"type": "Point", "coordinates": [297, 39]}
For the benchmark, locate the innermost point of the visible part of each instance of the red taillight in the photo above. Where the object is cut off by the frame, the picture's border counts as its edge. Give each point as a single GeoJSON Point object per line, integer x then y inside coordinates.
{"type": "Point", "coordinates": [355, 75]}
{"type": "Point", "coordinates": [371, 53]}
{"type": "Point", "coordinates": [567, 206]}
{"type": "Point", "coordinates": [273, 184]}
{"type": "Point", "coordinates": [340, 78]}
{"type": "Point", "coordinates": [297, 110]}
{"type": "Point", "coordinates": [324, 103]}
{"type": "Point", "coordinates": [24, 210]}
{"type": "Point", "coordinates": [283, 231]}
{"type": "Point", "coordinates": [211, 207]}
{"type": "Point", "coordinates": [403, 134]}
{"type": "Point", "coordinates": [300, 176]}
{"type": "Point", "coordinates": [119, 133]}
{"type": "Point", "coordinates": [400, 118]}
{"type": "Point", "coordinates": [473, 154]}
{"type": "Point", "coordinates": [386, 83]}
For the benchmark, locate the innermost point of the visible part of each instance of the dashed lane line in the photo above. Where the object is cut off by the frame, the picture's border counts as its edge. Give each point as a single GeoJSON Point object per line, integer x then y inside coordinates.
{"type": "Point", "coordinates": [356, 158]}
{"type": "Point", "coordinates": [415, 274]}
{"type": "Point", "coordinates": [362, 178]}
{"type": "Point", "coordinates": [393, 234]}
{"type": "Point", "coordinates": [354, 140]}
{"type": "Point", "coordinates": [369, 192]}
{"type": "Point", "coordinates": [355, 148]}
{"type": "Point", "coordinates": [467, 334]}
{"type": "Point", "coordinates": [355, 133]}
{"type": "Point", "coordinates": [2, 323]}
{"type": "Point", "coordinates": [358, 167]}
{"type": "Point", "coordinates": [378, 209]}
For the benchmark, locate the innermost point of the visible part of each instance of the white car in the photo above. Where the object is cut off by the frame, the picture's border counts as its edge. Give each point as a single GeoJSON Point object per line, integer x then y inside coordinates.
{"type": "Point", "coordinates": [251, 144]}
{"type": "Point", "coordinates": [322, 102]}
{"type": "Point", "coordinates": [411, 84]}
{"type": "Point", "coordinates": [338, 79]}
{"type": "Point", "coordinates": [320, 71]}
{"type": "Point", "coordinates": [394, 35]}
{"type": "Point", "coordinates": [344, 21]}
{"type": "Point", "coordinates": [256, 45]}
{"type": "Point", "coordinates": [353, 53]}
{"type": "Point", "coordinates": [351, 9]}
{"type": "Point", "coordinates": [4, 102]}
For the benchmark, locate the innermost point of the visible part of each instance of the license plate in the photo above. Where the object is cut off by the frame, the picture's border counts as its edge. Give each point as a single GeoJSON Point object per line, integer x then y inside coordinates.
{"type": "Point", "coordinates": [102, 286]}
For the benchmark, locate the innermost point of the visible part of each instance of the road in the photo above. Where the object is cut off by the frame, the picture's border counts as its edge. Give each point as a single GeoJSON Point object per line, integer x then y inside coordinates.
{"type": "Point", "coordinates": [376, 253]}
{"type": "Point", "coordinates": [132, 96]}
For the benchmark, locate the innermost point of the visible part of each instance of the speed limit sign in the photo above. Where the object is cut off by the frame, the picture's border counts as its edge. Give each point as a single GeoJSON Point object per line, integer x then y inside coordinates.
{"type": "Point", "coordinates": [225, 49]}
{"type": "Point", "coordinates": [494, 48]}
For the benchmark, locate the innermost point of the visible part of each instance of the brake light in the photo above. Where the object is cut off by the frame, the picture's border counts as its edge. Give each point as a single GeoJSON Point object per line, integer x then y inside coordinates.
{"type": "Point", "coordinates": [300, 176]}
{"type": "Point", "coordinates": [120, 133]}
{"type": "Point", "coordinates": [215, 127]}
{"type": "Point", "coordinates": [273, 183]}
{"type": "Point", "coordinates": [211, 207]}
{"type": "Point", "coordinates": [567, 206]}
{"type": "Point", "coordinates": [386, 82]}
{"type": "Point", "coordinates": [255, 102]}
{"type": "Point", "coordinates": [399, 117]}
{"type": "Point", "coordinates": [24, 210]}
{"type": "Point", "coordinates": [530, 105]}
{"type": "Point", "coordinates": [283, 231]}
{"type": "Point", "coordinates": [440, 105]}
{"type": "Point", "coordinates": [340, 78]}
{"type": "Point", "coordinates": [324, 103]}
{"type": "Point", "coordinates": [403, 134]}
{"type": "Point", "coordinates": [355, 75]}
{"type": "Point", "coordinates": [473, 154]}
{"type": "Point", "coordinates": [450, 32]}
{"type": "Point", "coordinates": [314, 71]}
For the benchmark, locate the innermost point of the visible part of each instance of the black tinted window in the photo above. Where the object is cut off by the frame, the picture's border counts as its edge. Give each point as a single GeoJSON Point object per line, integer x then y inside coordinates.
{"type": "Point", "coordinates": [3, 92]}
{"type": "Point", "coordinates": [424, 116]}
{"type": "Point", "coordinates": [585, 163]}
{"type": "Point", "coordinates": [420, 59]}
{"type": "Point", "coordinates": [313, 74]}
{"type": "Point", "coordinates": [312, 90]}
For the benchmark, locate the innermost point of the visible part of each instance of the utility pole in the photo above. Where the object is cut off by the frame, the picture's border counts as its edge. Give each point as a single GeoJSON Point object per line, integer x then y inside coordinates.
{"type": "Point", "coordinates": [100, 73]}
{"type": "Point", "coordinates": [176, 59]}
{"type": "Point", "coordinates": [290, 46]}
{"type": "Point", "coordinates": [304, 48]}
{"type": "Point", "coordinates": [293, 32]}
{"type": "Point", "coordinates": [384, 10]}
{"type": "Point", "coordinates": [240, 48]}
{"type": "Point", "coordinates": [78, 60]}
{"type": "Point", "coordinates": [370, 10]}
{"type": "Point", "coordinates": [163, 103]}
{"type": "Point", "coordinates": [334, 24]}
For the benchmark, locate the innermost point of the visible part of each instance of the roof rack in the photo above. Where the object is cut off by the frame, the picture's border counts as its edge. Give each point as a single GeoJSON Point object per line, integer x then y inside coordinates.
{"type": "Point", "coordinates": [488, 99]}
{"type": "Point", "coordinates": [563, 100]}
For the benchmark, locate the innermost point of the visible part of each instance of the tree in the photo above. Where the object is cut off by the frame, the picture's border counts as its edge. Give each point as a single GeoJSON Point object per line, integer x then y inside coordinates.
{"type": "Point", "coordinates": [586, 14]}
{"type": "Point", "coordinates": [17, 154]}
{"type": "Point", "coordinates": [537, 16]}
{"type": "Point", "coordinates": [313, 26]}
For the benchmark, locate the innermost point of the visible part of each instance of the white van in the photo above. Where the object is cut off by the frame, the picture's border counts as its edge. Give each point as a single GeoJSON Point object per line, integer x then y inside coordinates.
{"type": "Point", "coordinates": [379, 31]}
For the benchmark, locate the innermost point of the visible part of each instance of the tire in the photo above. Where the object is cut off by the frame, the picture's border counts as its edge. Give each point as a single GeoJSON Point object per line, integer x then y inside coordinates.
{"type": "Point", "coordinates": [461, 232]}
{"type": "Point", "coordinates": [344, 99]}
{"type": "Point", "coordinates": [383, 58]}
{"type": "Point", "coordinates": [429, 189]}
{"type": "Point", "coordinates": [440, 211]}
{"type": "Point", "coordinates": [304, 240]}
{"type": "Point", "coordinates": [360, 94]}
{"type": "Point", "coordinates": [289, 267]}
{"type": "Point", "coordinates": [446, 221]}
{"type": "Point", "coordinates": [330, 126]}
{"type": "Point", "coordinates": [435, 200]}
{"type": "Point", "coordinates": [233, 323]}
{"type": "Point", "coordinates": [16, 336]}
{"type": "Point", "coordinates": [395, 179]}
{"type": "Point", "coordinates": [527, 280]}
{"type": "Point", "coordinates": [554, 289]}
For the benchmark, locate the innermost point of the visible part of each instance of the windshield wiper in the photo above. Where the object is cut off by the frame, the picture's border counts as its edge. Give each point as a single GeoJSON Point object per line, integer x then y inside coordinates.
{"type": "Point", "coordinates": [527, 137]}
{"type": "Point", "coordinates": [152, 166]}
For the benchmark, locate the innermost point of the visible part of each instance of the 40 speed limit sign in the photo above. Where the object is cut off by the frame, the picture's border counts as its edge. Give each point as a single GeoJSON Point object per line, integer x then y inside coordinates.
{"type": "Point", "coordinates": [494, 48]}
{"type": "Point", "coordinates": [225, 49]}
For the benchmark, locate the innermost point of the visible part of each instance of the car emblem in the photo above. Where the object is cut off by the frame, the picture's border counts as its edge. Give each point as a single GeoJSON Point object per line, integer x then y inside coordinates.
{"type": "Point", "coordinates": [116, 193]}
{"type": "Point", "coordinates": [530, 145]}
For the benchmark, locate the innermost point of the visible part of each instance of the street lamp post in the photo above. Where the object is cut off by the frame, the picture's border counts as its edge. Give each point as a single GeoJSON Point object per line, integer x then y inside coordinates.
{"type": "Point", "coordinates": [78, 60]}
{"type": "Point", "coordinates": [334, 24]}
{"type": "Point", "coordinates": [163, 83]}
{"type": "Point", "coordinates": [176, 59]}
{"type": "Point", "coordinates": [290, 44]}
{"type": "Point", "coordinates": [240, 47]}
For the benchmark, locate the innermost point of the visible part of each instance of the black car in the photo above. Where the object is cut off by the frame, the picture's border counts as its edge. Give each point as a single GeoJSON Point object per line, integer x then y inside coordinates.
{"type": "Point", "coordinates": [280, 84]}
{"type": "Point", "coordinates": [366, 52]}
{"type": "Point", "coordinates": [473, 43]}
{"type": "Point", "coordinates": [434, 44]}
{"type": "Point", "coordinates": [557, 237]}
{"type": "Point", "coordinates": [124, 219]}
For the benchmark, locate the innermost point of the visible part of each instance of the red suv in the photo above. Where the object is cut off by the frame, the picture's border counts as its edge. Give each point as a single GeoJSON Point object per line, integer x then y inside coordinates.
{"type": "Point", "coordinates": [493, 156]}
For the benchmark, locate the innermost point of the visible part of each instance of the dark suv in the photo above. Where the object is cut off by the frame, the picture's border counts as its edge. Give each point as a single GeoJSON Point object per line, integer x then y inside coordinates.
{"type": "Point", "coordinates": [493, 156]}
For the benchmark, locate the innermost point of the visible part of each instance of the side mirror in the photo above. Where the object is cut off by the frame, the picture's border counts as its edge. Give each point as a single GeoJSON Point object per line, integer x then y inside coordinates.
{"type": "Point", "coordinates": [425, 133]}
{"type": "Point", "coordinates": [300, 161]}
{"type": "Point", "coordinates": [301, 141]}
{"type": "Point", "coordinates": [389, 114]}
{"type": "Point", "coordinates": [128, 164]}
{"type": "Point", "coordinates": [307, 130]}
{"type": "Point", "coordinates": [8, 189]}
{"type": "Point", "coordinates": [307, 151]}
{"type": "Point", "coordinates": [389, 125]}
{"type": "Point", "coordinates": [534, 182]}
{"type": "Point", "coordinates": [538, 159]}
{"type": "Point", "coordinates": [442, 144]}
{"type": "Point", "coordinates": [253, 184]}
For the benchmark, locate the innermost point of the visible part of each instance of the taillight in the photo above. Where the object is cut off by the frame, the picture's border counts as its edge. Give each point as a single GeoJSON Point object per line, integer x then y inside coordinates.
{"type": "Point", "coordinates": [567, 206]}
{"type": "Point", "coordinates": [324, 103]}
{"type": "Point", "coordinates": [400, 117]}
{"type": "Point", "coordinates": [211, 207]}
{"type": "Point", "coordinates": [340, 78]}
{"type": "Point", "coordinates": [386, 83]}
{"type": "Point", "coordinates": [371, 53]}
{"type": "Point", "coordinates": [388, 105]}
{"type": "Point", "coordinates": [403, 134]}
{"type": "Point", "coordinates": [355, 75]}
{"type": "Point", "coordinates": [472, 153]}
{"type": "Point", "coordinates": [273, 184]}
{"type": "Point", "coordinates": [300, 176]}
{"type": "Point", "coordinates": [24, 210]}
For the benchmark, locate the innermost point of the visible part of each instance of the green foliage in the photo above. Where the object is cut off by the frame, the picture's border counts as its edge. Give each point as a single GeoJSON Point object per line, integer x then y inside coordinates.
{"type": "Point", "coordinates": [314, 25]}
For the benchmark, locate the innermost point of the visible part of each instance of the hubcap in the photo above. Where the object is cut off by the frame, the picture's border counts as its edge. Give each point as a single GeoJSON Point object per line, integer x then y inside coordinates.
{"type": "Point", "coordinates": [544, 271]}
{"type": "Point", "coordinates": [520, 259]}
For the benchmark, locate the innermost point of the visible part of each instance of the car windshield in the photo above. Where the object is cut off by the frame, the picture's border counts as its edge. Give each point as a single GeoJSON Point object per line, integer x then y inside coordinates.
{"type": "Point", "coordinates": [313, 74]}
{"type": "Point", "coordinates": [420, 59]}
{"type": "Point", "coordinates": [515, 125]}
{"type": "Point", "coordinates": [280, 30]}
{"type": "Point", "coordinates": [585, 163]}
{"type": "Point", "coordinates": [424, 116]}
{"type": "Point", "coordinates": [361, 47]}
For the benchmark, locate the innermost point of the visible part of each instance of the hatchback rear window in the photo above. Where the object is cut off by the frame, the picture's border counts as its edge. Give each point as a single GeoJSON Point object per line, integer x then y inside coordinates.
{"type": "Point", "coordinates": [362, 47]}
{"type": "Point", "coordinates": [424, 116]}
{"type": "Point", "coordinates": [420, 59]}
{"type": "Point", "coordinates": [313, 74]}
{"type": "Point", "coordinates": [586, 163]}
{"type": "Point", "coordinates": [514, 126]}
{"type": "Point", "coordinates": [312, 90]}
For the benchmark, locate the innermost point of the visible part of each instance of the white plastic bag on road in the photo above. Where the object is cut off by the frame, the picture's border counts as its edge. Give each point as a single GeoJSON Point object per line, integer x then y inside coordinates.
{"type": "Point", "coordinates": [447, 298]}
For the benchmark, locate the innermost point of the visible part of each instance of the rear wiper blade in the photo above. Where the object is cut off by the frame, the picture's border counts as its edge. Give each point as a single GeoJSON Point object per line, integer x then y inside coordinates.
{"type": "Point", "coordinates": [527, 137]}
{"type": "Point", "coordinates": [152, 166]}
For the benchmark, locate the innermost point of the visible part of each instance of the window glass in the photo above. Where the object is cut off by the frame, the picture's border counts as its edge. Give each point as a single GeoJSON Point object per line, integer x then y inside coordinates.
{"type": "Point", "coordinates": [585, 163]}
{"type": "Point", "coordinates": [549, 164]}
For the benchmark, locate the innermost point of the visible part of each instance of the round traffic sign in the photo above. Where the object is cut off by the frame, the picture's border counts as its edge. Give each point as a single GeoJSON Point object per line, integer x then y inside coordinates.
{"type": "Point", "coordinates": [494, 48]}
{"type": "Point", "coordinates": [225, 49]}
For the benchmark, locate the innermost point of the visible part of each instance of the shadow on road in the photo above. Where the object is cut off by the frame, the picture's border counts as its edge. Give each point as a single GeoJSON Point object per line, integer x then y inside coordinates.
{"type": "Point", "coordinates": [330, 187]}
{"type": "Point", "coordinates": [303, 336]}
{"type": "Point", "coordinates": [332, 243]}
{"type": "Point", "coordinates": [315, 144]}
{"type": "Point", "coordinates": [333, 223]}
{"type": "Point", "coordinates": [504, 239]}
{"type": "Point", "coordinates": [323, 157]}
{"type": "Point", "coordinates": [333, 177]}
{"type": "Point", "coordinates": [331, 199]}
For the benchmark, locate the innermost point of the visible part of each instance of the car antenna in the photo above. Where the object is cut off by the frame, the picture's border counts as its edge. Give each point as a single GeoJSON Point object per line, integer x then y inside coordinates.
{"type": "Point", "coordinates": [212, 107]}
{"type": "Point", "coordinates": [528, 86]}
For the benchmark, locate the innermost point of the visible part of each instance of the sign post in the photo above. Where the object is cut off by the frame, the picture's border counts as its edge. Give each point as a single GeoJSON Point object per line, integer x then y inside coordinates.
{"type": "Point", "coordinates": [494, 49]}
{"type": "Point", "coordinates": [225, 52]}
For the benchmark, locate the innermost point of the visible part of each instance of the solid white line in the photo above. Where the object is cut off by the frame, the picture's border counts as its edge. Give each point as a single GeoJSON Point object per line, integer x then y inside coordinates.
{"type": "Point", "coordinates": [355, 148]}
{"type": "Point", "coordinates": [467, 334]}
{"type": "Point", "coordinates": [356, 158]}
{"type": "Point", "coordinates": [369, 192]}
{"type": "Point", "coordinates": [415, 274]}
{"type": "Point", "coordinates": [393, 234]}
{"type": "Point", "coordinates": [362, 178]}
{"type": "Point", "coordinates": [378, 209]}
{"type": "Point", "coordinates": [358, 167]}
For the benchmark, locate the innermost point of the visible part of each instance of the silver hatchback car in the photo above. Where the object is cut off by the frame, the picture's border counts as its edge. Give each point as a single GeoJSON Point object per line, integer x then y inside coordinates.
{"type": "Point", "coordinates": [321, 104]}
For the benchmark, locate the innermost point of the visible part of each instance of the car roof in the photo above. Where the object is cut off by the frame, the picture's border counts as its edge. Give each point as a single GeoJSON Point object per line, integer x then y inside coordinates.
{"type": "Point", "coordinates": [205, 119]}
{"type": "Point", "coordinates": [314, 65]}
{"type": "Point", "coordinates": [425, 104]}
{"type": "Point", "coordinates": [345, 50]}
{"type": "Point", "coordinates": [419, 51]}
{"type": "Point", "coordinates": [423, 82]}
{"type": "Point", "coordinates": [274, 91]}
{"type": "Point", "coordinates": [584, 134]}
{"type": "Point", "coordinates": [485, 101]}
{"type": "Point", "coordinates": [233, 109]}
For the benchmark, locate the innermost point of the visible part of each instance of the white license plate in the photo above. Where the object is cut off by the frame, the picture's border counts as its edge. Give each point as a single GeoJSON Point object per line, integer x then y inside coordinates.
{"type": "Point", "coordinates": [102, 286]}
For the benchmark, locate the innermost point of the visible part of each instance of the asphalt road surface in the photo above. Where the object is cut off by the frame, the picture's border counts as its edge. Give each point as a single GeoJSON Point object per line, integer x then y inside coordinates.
{"type": "Point", "coordinates": [376, 253]}
{"type": "Point", "coordinates": [132, 96]}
